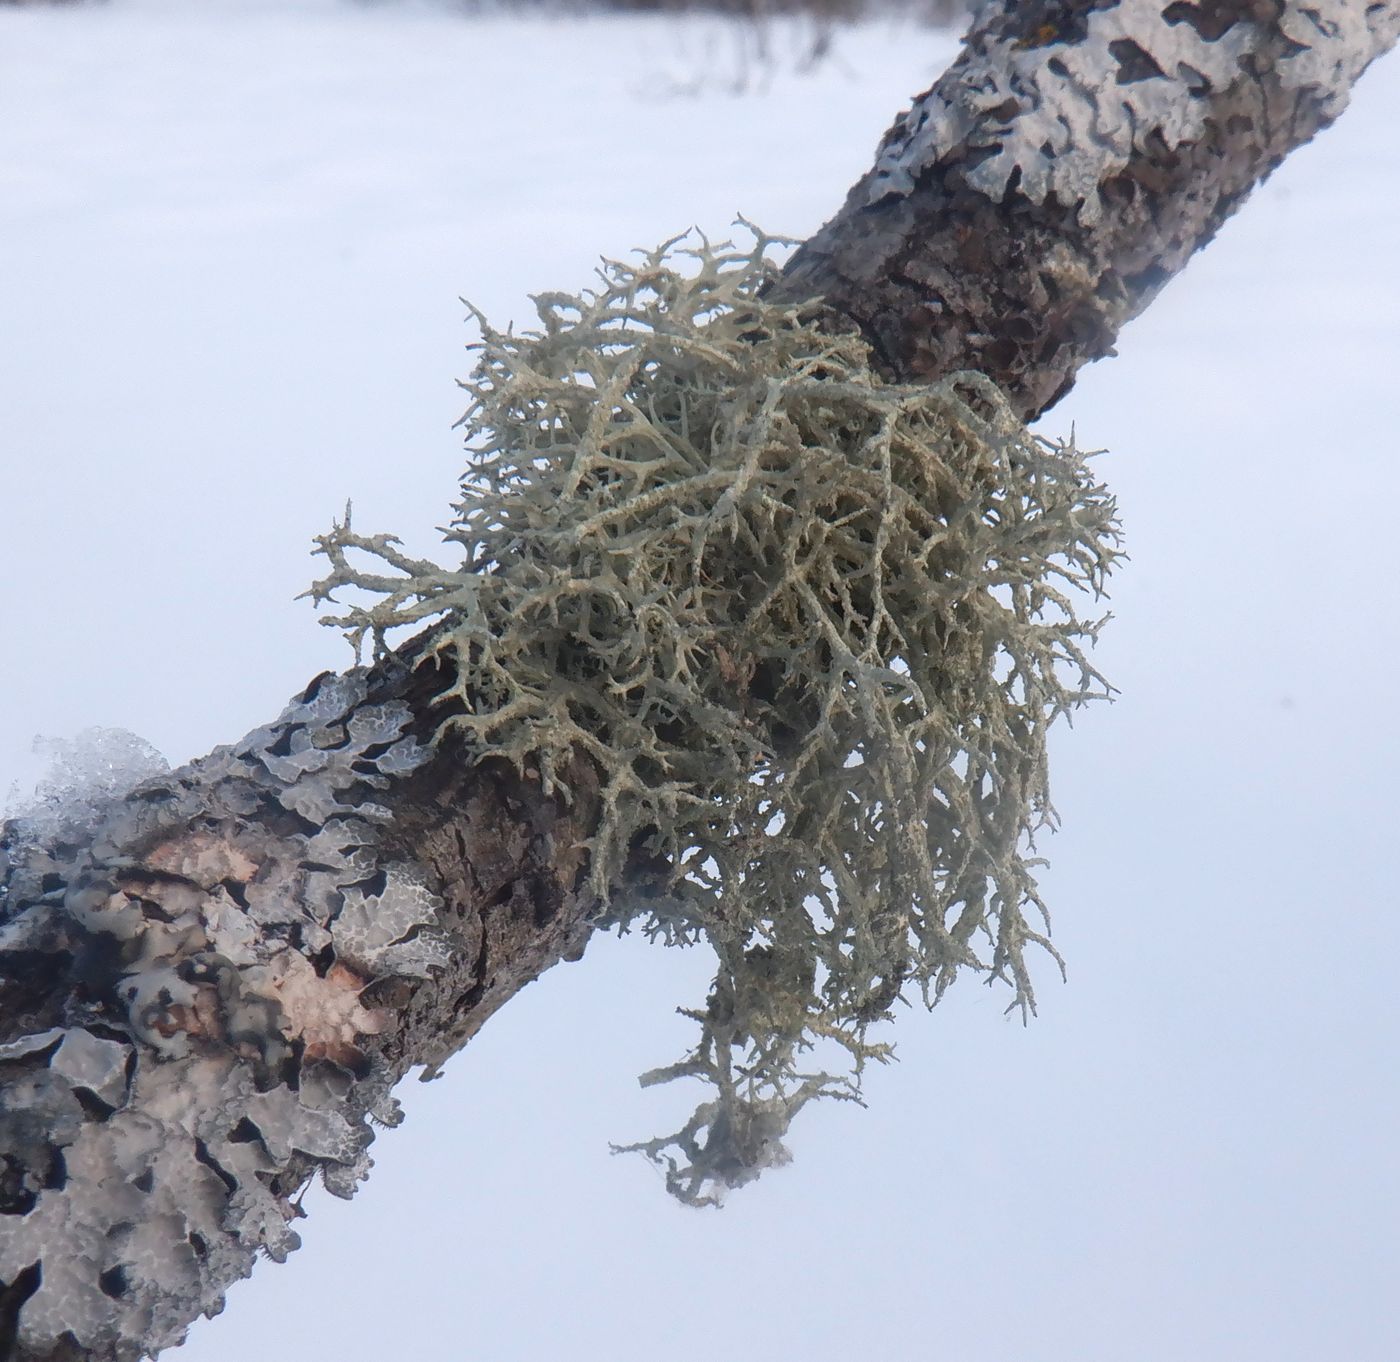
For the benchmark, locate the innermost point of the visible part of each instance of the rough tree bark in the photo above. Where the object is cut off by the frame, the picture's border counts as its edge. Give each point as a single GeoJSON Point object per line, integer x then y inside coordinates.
{"type": "Point", "coordinates": [208, 991]}
{"type": "Point", "coordinates": [1068, 164]}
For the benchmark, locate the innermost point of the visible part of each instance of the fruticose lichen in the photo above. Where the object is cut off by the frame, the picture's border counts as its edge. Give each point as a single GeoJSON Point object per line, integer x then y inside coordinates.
{"type": "Point", "coordinates": [811, 628]}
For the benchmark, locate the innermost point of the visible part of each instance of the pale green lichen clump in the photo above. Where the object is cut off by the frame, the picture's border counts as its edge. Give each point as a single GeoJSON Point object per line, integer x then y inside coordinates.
{"type": "Point", "coordinates": [810, 627]}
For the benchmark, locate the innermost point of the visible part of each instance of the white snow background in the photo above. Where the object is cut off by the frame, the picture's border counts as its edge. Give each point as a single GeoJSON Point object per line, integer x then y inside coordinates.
{"type": "Point", "coordinates": [232, 237]}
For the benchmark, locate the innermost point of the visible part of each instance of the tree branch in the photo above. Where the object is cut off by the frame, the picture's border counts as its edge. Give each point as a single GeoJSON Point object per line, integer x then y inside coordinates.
{"type": "Point", "coordinates": [1067, 165]}
{"type": "Point", "coordinates": [208, 991]}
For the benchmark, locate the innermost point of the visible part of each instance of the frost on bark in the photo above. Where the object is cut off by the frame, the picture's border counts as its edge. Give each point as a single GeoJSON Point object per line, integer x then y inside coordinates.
{"type": "Point", "coordinates": [209, 986]}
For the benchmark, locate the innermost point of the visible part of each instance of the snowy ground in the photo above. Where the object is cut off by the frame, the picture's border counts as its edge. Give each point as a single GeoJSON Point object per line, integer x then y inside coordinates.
{"type": "Point", "coordinates": [233, 240]}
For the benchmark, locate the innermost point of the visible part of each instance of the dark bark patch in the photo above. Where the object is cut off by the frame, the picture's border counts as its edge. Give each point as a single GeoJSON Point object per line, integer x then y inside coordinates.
{"type": "Point", "coordinates": [13, 1295]}
{"type": "Point", "coordinates": [113, 1282]}
{"type": "Point", "coordinates": [282, 746]}
{"type": "Point", "coordinates": [1042, 22]}
{"type": "Point", "coordinates": [94, 1108]}
{"type": "Point", "coordinates": [1134, 62]}
{"type": "Point", "coordinates": [56, 1178]}
{"type": "Point", "coordinates": [313, 688]}
{"type": "Point", "coordinates": [17, 1197]}
{"type": "Point", "coordinates": [202, 1155]}
{"type": "Point", "coordinates": [1195, 81]}
{"type": "Point", "coordinates": [1212, 20]}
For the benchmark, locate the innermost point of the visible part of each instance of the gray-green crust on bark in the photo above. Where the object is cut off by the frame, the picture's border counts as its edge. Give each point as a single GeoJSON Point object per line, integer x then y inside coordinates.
{"type": "Point", "coordinates": [209, 988]}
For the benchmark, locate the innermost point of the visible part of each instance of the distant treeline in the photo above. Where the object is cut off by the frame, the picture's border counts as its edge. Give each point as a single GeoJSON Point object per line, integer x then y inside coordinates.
{"type": "Point", "coordinates": [934, 11]}
{"type": "Point", "coordinates": [928, 11]}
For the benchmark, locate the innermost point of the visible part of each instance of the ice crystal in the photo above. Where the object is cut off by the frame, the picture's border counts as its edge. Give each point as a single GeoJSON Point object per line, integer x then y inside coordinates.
{"type": "Point", "coordinates": [84, 774]}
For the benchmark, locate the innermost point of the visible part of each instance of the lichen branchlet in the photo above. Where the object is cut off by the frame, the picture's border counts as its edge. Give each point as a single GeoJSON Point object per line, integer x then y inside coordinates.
{"type": "Point", "coordinates": [810, 627]}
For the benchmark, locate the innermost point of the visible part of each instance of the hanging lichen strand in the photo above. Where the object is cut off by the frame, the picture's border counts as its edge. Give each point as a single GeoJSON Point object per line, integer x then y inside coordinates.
{"type": "Point", "coordinates": [811, 628]}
